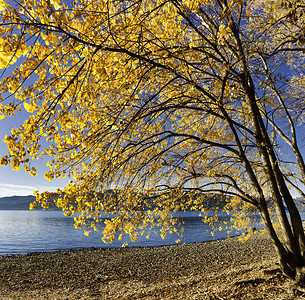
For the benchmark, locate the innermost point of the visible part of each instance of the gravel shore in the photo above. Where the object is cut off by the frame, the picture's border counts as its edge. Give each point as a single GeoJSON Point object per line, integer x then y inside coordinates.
{"type": "Point", "coordinates": [225, 269]}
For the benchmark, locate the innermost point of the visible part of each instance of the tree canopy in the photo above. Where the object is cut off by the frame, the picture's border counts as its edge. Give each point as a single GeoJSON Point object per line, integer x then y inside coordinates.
{"type": "Point", "coordinates": [165, 103]}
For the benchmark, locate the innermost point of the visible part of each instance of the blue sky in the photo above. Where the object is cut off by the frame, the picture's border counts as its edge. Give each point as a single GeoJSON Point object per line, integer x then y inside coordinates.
{"type": "Point", "coordinates": [18, 182]}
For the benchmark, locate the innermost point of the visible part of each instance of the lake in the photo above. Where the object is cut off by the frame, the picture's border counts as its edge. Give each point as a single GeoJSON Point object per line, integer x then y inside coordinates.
{"type": "Point", "coordinates": [22, 232]}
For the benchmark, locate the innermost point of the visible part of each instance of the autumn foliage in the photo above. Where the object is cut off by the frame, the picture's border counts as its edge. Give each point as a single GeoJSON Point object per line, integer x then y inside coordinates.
{"type": "Point", "coordinates": [164, 103]}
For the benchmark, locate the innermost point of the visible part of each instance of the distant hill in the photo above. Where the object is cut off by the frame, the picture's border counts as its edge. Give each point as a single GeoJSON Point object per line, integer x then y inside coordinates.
{"type": "Point", "coordinates": [17, 203]}
{"type": "Point", "coordinates": [23, 202]}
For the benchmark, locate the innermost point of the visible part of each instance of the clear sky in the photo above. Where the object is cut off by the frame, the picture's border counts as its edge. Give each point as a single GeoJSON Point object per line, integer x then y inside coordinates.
{"type": "Point", "coordinates": [20, 183]}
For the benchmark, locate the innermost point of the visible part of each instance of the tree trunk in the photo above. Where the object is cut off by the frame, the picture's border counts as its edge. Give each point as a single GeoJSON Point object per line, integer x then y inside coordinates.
{"type": "Point", "coordinates": [291, 264]}
{"type": "Point", "coordinates": [291, 250]}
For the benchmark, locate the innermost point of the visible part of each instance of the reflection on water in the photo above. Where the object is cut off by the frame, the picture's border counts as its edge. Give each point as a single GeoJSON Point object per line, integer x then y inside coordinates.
{"type": "Point", "coordinates": [29, 231]}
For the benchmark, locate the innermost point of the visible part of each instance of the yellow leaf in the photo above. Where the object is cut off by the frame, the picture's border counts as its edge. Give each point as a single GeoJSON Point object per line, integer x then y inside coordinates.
{"type": "Point", "coordinates": [56, 4]}
{"type": "Point", "coordinates": [29, 107]}
{"type": "Point", "coordinates": [3, 62]}
{"type": "Point", "coordinates": [2, 5]}
{"type": "Point", "coordinates": [33, 205]}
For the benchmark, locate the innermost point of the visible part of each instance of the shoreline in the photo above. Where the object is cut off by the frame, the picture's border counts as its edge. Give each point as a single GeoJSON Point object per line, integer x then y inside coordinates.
{"type": "Point", "coordinates": [226, 269]}
{"type": "Point", "coordinates": [100, 248]}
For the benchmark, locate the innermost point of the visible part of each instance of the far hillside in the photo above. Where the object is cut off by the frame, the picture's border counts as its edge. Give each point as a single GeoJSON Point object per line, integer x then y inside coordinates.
{"type": "Point", "coordinates": [17, 203]}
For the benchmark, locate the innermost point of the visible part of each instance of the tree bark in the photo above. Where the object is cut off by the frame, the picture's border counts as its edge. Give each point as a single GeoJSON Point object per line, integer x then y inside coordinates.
{"type": "Point", "coordinates": [291, 250]}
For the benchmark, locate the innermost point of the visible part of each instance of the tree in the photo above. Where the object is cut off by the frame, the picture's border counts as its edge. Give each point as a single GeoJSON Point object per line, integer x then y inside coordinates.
{"type": "Point", "coordinates": [164, 102]}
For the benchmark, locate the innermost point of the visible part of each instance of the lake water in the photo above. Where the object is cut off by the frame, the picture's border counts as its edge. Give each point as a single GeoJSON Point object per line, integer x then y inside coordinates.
{"type": "Point", "coordinates": [22, 232]}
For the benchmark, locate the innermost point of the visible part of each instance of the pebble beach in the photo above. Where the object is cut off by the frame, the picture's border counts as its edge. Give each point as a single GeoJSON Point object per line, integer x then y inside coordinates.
{"type": "Point", "coordinates": [224, 269]}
